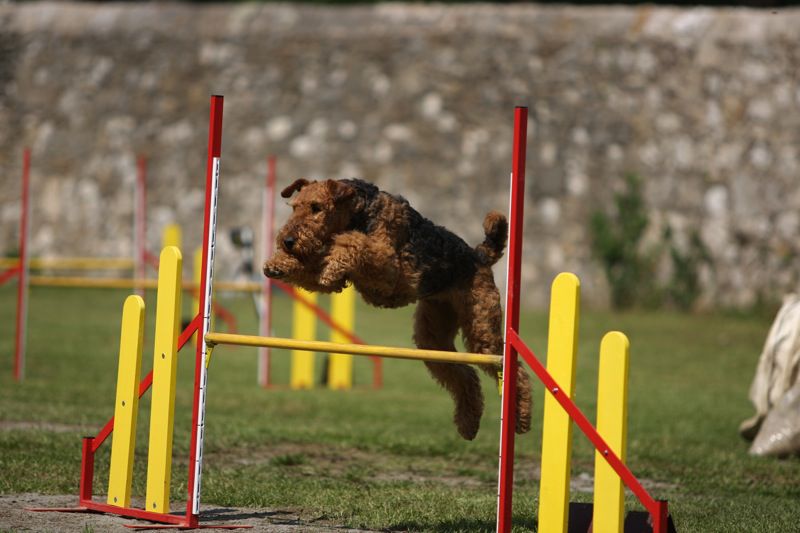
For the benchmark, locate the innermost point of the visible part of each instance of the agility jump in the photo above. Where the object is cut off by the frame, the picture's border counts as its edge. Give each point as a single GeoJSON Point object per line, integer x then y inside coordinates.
{"type": "Point", "coordinates": [340, 371]}
{"type": "Point", "coordinates": [558, 379]}
{"type": "Point", "coordinates": [20, 267]}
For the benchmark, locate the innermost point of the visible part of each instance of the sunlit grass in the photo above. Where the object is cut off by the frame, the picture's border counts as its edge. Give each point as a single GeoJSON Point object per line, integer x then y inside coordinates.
{"type": "Point", "coordinates": [391, 459]}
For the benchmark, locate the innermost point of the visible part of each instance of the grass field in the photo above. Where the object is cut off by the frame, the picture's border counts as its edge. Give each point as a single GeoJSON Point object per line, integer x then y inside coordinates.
{"type": "Point", "coordinates": [391, 459]}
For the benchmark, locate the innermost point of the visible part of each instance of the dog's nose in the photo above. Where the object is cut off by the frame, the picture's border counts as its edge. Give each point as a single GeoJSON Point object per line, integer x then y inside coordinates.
{"type": "Point", "coordinates": [288, 243]}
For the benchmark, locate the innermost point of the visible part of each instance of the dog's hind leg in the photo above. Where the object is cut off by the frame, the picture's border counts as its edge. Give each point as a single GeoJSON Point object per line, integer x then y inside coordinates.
{"type": "Point", "coordinates": [481, 320]}
{"type": "Point", "coordinates": [435, 327]}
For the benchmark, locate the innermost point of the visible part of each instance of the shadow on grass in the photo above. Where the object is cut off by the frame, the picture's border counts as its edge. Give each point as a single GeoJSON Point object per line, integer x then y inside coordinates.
{"type": "Point", "coordinates": [222, 514]}
{"type": "Point", "coordinates": [463, 524]}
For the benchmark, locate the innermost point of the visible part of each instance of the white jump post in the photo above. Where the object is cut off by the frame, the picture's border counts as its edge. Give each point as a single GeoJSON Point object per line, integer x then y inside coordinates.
{"type": "Point", "coordinates": [267, 223]}
{"type": "Point", "coordinates": [505, 478]}
{"type": "Point", "coordinates": [206, 289]}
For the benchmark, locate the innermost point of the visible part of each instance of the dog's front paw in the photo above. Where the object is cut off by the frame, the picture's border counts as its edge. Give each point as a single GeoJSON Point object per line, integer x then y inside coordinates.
{"type": "Point", "coordinates": [332, 284]}
{"type": "Point", "coordinates": [333, 277]}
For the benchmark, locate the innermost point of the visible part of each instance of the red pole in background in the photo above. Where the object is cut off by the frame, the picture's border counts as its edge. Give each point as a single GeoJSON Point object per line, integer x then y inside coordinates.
{"type": "Point", "coordinates": [22, 286]}
{"type": "Point", "coordinates": [139, 222]}
{"type": "Point", "coordinates": [267, 223]}
{"type": "Point", "coordinates": [200, 375]}
{"type": "Point", "coordinates": [505, 482]}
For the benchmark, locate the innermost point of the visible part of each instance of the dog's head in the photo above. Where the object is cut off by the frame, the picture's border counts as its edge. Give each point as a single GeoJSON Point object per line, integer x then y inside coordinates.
{"type": "Point", "coordinates": [319, 211]}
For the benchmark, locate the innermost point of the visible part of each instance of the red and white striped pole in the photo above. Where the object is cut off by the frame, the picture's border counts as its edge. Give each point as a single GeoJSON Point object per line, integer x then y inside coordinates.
{"type": "Point", "coordinates": [20, 339]}
{"type": "Point", "coordinates": [505, 482]}
{"type": "Point", "coordinates": [206, 289]}
{"type": "Point", "coordinates": [267, 223]}
{"type": "Point", "coordinates": [139, 221]}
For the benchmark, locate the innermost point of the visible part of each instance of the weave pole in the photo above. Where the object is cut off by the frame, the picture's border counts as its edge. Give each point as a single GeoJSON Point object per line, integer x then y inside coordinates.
{"type": "Point", "coordinates": [505, 478]}
{"type": "Point", "coordinates": [267, 223]}
{"type": "Point", "coordinates": [206, 287]}
{"type": "Point", "coordinates": [20, 337]}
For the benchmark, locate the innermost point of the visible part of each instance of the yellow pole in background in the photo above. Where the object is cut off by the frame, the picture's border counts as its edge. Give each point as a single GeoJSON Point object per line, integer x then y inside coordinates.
{"type": "Point", "coordinates": [304, 327]}
{"type": "Point", "coordinates": [612, 425]}
{"type": "Point", "coordinates": [126, 406]}
{"type": "Point", "coordinates": [171, 236]}
{"type": "Point", "coordinates": [165, 366]}
{"type": "Point", "coordinates": [562, 340]}
{"type": "Point", "coordinates": [340, 366]}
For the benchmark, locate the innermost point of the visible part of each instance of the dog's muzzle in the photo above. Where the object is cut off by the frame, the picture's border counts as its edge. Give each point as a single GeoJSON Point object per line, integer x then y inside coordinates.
{"type": "Point", "coordinates": [272, 272]}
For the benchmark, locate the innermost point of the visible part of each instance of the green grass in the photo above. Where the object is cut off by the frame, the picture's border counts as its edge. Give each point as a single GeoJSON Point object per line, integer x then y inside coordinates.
{"type": "Point", "coordinates": [391, 459]}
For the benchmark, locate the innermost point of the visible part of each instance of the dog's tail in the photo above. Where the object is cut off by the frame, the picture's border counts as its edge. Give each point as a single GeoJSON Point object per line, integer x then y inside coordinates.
{"type": "Point", "coordinates": [495, 226]}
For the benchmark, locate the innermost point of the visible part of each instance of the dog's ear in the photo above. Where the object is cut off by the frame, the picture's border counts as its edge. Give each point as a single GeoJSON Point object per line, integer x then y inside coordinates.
{"type": "Point", "coordinates": [339, 190]}
{"type": "Point", "coordinates": [294, 187]}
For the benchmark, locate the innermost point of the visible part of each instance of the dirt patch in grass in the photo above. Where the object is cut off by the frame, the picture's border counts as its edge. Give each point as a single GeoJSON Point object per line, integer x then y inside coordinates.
{"type": "Point", "coordinates": [308, 459]}
{"type": "Point", "coordinates": [15, 516]}
{"type": "Point", "coordinates": [335, 461]}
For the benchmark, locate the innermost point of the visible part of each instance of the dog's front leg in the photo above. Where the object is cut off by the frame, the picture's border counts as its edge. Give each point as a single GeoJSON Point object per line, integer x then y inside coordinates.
{"type": "Point", "coordinates": [354, 254]}
{"type": "Point", "coordinates": [342, 259]}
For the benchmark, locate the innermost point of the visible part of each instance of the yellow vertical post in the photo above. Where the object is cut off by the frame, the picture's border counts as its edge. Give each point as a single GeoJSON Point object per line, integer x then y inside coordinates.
{"type": "Point", "coordinates": [171, 236]}
{"type": "Point", "coordinates": [165, 365]}
{"type": "Point", "coordinates": [562, 343]}
{"type": "Point", "coordinates": [304, 327]}
{"type": "Point", "coordinates": [612, 424]}
{"type": "Point", "coordinates": [123, 439]}
{"type": "Point", "coordinates": [340, 367]}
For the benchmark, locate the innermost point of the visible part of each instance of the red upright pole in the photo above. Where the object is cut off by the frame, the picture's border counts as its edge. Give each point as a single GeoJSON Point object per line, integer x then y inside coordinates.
{"type": "Point", "coordinates": [87, 470]}
{"type": "Point", "coordinates": [22, 287]}
{"type": "Point", "coordinates": [505, 483]}
{"type": "Point", "coordinates": [200, 376]}
{"type": "Point", "coordinates": [268, 214]}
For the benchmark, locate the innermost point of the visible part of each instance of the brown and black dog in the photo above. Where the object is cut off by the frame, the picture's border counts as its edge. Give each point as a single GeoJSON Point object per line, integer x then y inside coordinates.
{"type": "Point", "coordinates": [349, 231]}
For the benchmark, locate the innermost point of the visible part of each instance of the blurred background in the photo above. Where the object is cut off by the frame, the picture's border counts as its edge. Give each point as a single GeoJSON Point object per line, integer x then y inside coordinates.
{"type": "Point", "coordinates": [664, 144]}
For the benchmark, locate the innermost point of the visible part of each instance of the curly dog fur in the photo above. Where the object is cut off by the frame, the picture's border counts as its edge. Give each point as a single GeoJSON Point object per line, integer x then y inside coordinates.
{"type": "Point", "coordinates": [349, 231]}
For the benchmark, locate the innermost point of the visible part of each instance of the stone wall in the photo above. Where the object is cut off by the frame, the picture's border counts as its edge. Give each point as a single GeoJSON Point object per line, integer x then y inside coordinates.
{"type": "Point", "coordinates": [704, 104]}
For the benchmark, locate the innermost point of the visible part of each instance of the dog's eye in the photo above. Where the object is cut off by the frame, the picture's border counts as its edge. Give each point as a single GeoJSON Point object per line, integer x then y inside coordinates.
{"type": "Point", "coordinates": [315, 208]}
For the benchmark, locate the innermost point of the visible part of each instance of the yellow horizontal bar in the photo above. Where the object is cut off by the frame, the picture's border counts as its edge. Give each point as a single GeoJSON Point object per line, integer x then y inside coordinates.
{"type": "Point", "coordinates": [72, 263]}
{"type": "Point", "coordinates": [214, 339]}
{"type": "Point", "coordinates": [129, 283]}
{"type": "Point", "coordinates": [238, 286]}
{"type": "Point", "coordinates": [92, 283]}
